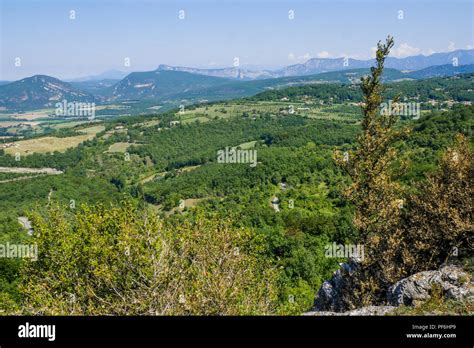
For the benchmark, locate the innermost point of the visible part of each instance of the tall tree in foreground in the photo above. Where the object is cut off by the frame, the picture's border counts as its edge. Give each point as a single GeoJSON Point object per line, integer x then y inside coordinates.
{"type": "Point", "coordinates": [402, 233]}
{"type": "Point", "coordinates": [376, 196]}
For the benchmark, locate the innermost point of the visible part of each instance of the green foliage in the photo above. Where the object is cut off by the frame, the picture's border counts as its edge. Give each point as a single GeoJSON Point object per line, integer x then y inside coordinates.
{"type": "Point", "coordinates": [373, 192]}
{"type": "Point", "coordinates": [439, 217]}
{"type": "Point", "coordinates": [122, 261]}
{"type": "Point", "coordinates": [403, 233]}
{"type": "Point", "coordinates": [168, 164]}
{"type": "Point", "coordinates": [457, 88]}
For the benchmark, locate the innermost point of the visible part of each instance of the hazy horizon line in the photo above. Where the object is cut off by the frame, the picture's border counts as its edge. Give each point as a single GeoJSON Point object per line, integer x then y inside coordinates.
{"type": "Point", "coordinates": [248, 67]}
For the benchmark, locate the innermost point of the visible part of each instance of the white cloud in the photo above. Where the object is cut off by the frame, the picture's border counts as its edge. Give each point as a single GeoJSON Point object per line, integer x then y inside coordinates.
{"type": "Point", "coordinates": [323, 54]}
{"type": "Point", "coordinates": [373, 50]}
{"type": "Point", "coordinates": [451, 46]}
{"type": "Point", "coordinates": [299, 59]}
{"type": "Point", "coordinates": [346, 55]}
{"type": "Point", "coordinates": [400, 51]}
{"type": "Point", "coordinates": [405, 50]}
{"type": "Point", "coordinates": [469, 47]}
{"type": "Point", "coordinates": [429, 52]}
{"type": "Point", "coordinates": [358, 56]}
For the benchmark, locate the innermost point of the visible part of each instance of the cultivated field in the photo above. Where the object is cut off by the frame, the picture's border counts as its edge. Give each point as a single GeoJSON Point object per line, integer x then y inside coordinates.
{"type": "Point", "coordinates": [31, 115]}
{"type": "Point", "coordinates": [307, 108]}
{"type": "Point", "coordinates": [9, 174]}
{"type": "Point", "coordinates": [51, 144]}
{"type": "Point", "coordinates": [121, 147]}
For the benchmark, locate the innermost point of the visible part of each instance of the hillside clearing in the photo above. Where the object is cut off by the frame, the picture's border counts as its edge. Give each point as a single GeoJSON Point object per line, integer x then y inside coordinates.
{"type": "Point", "coordinates": [52, 144]}
{"type": "Point", "coordinates": [20, 170]}
{"type": "Point", "coordinates": [120, 147]}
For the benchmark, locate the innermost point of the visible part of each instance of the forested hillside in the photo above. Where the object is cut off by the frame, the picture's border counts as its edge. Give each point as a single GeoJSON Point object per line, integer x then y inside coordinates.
{"type": "Point", "coordinates": [145, 211]}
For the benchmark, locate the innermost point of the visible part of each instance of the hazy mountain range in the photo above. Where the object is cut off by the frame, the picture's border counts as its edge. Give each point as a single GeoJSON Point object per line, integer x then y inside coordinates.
{"type": "Point", "coordinates": [320, 65]}
{"type": "Point", "coordinates": [106, 75]}
{"type": "Point", "coordinates": [168, 84]}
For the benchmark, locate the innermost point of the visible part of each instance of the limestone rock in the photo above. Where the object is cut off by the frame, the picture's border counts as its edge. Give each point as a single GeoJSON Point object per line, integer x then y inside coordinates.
{"type": "Point", "coordinates": [453, 281]}
{"type": "Point", "coordinates": [364, 311]}
{"type": "Point", "coordinates": [329, 296]}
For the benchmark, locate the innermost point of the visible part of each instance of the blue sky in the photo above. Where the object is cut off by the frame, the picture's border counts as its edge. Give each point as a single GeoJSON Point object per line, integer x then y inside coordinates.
{"type": "Point", "coordinates": [214, 32]}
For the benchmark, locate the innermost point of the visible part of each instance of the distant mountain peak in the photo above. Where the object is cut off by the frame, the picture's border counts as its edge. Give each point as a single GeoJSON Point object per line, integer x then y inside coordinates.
{"type": "Point", "coordinates": [40, 91]}
{"type": "Point", "coordinates": [235, 73]}
{"type": "Point", "coordinates": [320, 65]}
{"type": "Point", "coordinates": [167, 83]}
{"type": "Point", "coordinates": [162, 82]}
{"type": "Point", "coordinates": [111, 74]}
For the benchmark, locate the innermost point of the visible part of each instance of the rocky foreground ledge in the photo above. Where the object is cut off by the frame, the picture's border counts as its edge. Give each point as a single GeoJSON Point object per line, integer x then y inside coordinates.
{"type": "Point", "coordinates": [369, 310]}
{"type": "Point", "coordinates": [452, 280]}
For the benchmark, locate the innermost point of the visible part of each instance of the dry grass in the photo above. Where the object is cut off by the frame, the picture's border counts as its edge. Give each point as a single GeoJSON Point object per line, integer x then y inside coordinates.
{"type": "Point", "coordinates": [119, 147]}
{"type": "Point", "coordinates": [33, 115]}
{"type": "Point", "coordinates": [17, 123]}
{"type": "Point", "coordinates": [194, 119]}
{"type": "Point", "coordinates": [51, 144]}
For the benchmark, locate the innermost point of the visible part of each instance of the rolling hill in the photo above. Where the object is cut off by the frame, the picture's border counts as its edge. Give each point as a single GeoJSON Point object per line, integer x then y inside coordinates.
{"type": "Point", "coordinates": [97, 87]}
{"type": "Point", "coordinates": [162, 84]}
{"type": "Point", "coordinates": [238, 89]}
{"type": "Point", "coordinates": [40, 91]}
{"type": "Point", "coordinates": [170, 86]}
{"type": "Point", "coordinates": [441, 71]}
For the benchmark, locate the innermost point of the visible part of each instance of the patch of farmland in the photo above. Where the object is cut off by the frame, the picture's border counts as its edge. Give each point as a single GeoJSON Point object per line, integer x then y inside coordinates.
{"type": "Point", "coordinates": [51, 144]}
{"type": "Point", "coordinates": [194, 119]}
{"type": "Point", "coordinates": [22, 170]}
{"type": "Point", "coordinates": [121, 147]}
{"type": "Point", "coordinates": [247, 145]}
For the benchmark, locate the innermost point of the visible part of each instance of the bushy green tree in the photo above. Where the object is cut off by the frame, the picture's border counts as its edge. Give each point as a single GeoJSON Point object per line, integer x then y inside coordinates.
{"type": "Point", "coordinates": [440, 218]}
{"type": "Point", "coordinates": [120, 261]}
{"type": "Point", "coordinates": [402, 232]}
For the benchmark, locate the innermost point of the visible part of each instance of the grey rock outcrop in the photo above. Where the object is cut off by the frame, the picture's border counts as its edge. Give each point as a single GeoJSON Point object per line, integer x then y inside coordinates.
{"type": "Point", "coordinates": [369, 310]}
{"type": "Point", "coordinates": [329, 296]}
{"type": "Point", "coordinates": [452, 280]}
